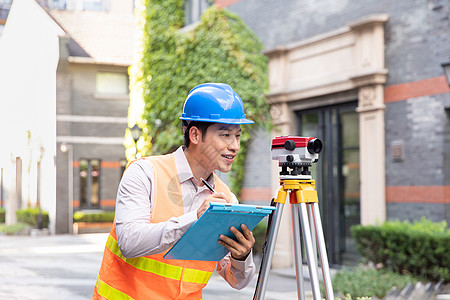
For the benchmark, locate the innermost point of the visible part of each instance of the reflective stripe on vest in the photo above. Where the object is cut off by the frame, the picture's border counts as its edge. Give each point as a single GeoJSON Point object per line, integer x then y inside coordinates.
{"type": "Point", "coordinates": [153, 277]}
{"type": "Point", "coordinates": [160, 268]}
{"type": "Point", "coordinates": [109, 292]}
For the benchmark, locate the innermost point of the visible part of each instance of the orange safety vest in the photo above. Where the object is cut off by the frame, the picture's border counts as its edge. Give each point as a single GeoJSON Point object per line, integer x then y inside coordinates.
{"type": "Point", "coordinates": [153, 277]}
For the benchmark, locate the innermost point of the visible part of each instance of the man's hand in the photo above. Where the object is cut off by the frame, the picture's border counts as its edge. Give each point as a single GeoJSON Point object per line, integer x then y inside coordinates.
{"type": "Point", "coordinates": [216, 197]}
{"type": "Point", "coordinates": [239, 250]}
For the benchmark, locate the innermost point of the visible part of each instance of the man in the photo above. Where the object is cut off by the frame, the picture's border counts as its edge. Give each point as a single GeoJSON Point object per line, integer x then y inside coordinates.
{"type": "Point", "coordinates": [160, 197]}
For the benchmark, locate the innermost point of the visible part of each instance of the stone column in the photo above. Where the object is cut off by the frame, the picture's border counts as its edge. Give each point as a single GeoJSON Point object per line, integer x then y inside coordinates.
{"type": "Point", "coordinates": [284, 121]}
{"type": "Point", "coordinates": [14, 201]}
{"type": "Point", "coordinates": [372, 157]}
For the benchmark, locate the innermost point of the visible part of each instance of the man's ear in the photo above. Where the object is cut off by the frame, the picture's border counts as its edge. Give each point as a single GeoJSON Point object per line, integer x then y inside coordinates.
{"type": "Point", "coordinates": [194, 135]}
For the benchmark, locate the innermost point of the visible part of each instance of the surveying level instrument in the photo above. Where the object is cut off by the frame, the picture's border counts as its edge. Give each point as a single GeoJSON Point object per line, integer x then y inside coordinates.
{"type": "Point", "coordinates": [295, 155]}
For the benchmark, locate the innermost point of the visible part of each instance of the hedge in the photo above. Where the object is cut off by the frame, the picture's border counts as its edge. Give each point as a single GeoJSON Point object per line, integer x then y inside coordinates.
{"type": "Point", "coordinates": [2, 215]}
{"type": "Point", "coordinates": [30, 216]}
{"type": "Point", "coordinates": [93, 217]}
{"type": "Point", "coordinates": [259, 233]}
{"type": "Point", "coordinates": [15, 229]}
{"type": "Point", "coordinates": [420, 248]}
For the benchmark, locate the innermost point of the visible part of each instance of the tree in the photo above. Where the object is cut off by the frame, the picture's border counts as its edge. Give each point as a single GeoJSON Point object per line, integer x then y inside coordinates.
{"type": "Point", "coordinates": [171, 61]}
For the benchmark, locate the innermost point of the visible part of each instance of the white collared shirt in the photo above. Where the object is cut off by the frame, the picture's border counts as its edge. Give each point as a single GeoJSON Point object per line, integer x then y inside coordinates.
{"type": "Point", "coordinates": [137, 236]}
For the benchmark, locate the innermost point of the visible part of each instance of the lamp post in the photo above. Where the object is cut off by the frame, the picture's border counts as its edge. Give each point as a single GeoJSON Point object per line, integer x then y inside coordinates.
{"type": "Point", "coordinates": [446, 67]}
{"type": "Point", "coordinates": [136, 132]}
{"type": "Point", "coordinates": [69, 150]}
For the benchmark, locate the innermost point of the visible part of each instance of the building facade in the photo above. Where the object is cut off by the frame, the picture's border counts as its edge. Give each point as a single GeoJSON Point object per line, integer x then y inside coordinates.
{"type": "Point", "coordinates": [5, 5]}
{"type": "Point", "coordinates": [363, 76]}
{"type": "Point", "coordinates": [366, 78]}
{"type": "Point", "coordinates": [75, 106]}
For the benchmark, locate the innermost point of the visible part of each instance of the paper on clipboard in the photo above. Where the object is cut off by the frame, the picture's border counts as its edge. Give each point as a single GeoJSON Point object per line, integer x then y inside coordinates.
{"type": "Point", "coordinates": [200, 241]}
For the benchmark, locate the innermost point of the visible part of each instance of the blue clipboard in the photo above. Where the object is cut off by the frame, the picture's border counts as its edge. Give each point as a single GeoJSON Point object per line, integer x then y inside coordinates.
{"type": "Point", "coordinates": [200, 241]}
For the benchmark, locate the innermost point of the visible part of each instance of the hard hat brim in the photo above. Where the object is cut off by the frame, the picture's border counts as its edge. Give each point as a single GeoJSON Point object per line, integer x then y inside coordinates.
{"type": "Point", "coordinates": [222, 121]}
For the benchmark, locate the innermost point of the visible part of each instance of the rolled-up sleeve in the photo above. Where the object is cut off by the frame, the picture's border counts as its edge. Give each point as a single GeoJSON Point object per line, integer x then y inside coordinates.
{"type": "Point", "coordinates": [237, 273]}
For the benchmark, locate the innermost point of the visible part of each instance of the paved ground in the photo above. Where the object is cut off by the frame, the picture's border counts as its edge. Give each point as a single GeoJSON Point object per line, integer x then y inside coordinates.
{"type": "Point", "coordinates": [66, 266]}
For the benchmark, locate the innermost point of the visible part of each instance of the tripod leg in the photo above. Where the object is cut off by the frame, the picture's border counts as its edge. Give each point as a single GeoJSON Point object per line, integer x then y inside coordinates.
{"type": "Point", "coordinates": [312, 265]}
{"type": "Point", "coordinates": [322, 251]}
{"type": "Point", "coordinates": [313, 233]}
{"type": "Point", "coordinates": [261, 286]}
{"type": "Point", "coordinates": [297, 251]}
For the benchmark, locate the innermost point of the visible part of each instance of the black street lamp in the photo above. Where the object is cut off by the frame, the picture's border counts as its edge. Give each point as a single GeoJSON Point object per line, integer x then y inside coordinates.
{"type": "Point", "coordinates": [136, 132]}
{"type": "Point", "coordinates": [446, 67]}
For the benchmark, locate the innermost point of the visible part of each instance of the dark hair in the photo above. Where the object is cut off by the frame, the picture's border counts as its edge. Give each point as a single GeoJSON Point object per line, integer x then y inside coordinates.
{"type": "Point", "coordinates": [202, 126]}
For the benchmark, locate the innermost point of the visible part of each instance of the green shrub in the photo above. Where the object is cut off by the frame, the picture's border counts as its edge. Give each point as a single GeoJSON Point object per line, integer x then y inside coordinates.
{"type": "Point", "coordinates": [2, 215]}
{"type": "Point", "coordinates": [14, 229]}
{"type": "Point", "coordinates": [420, 248]}
{"type": "Point", "coordinates": [93, 217]}
{"type": "Point", "coordinates": [259, 233]}
{"type": "Point", "coordinates": [30, 216]}
{"type": "Point", "coordinates": [368, 282]}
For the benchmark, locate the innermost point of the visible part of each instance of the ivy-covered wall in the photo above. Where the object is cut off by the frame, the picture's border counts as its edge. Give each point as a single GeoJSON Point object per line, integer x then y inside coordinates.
{"type": "Point", "coordinates": [170, 62]}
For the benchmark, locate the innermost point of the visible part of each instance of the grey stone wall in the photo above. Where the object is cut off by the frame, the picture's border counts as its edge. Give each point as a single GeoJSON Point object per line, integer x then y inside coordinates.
{"type": "Point", "coordinates": [435, 212]}
{"type": "Point", "coordinates": [417, 33]}
{"type": "Point", "coordinates": [258, 164]}
{"type": "Point", "coordinates": [419, 124]}
{"type": "Point", "coordinates": [84, 101]}
{"type": "Point", "coordinates": [63, 106]}
{"type": "Point", "coordinates": [76, 96]}
{"type": "Point", "coordinates": [417, 38]}
{"type": "Point", "coordinates": [62, 193]}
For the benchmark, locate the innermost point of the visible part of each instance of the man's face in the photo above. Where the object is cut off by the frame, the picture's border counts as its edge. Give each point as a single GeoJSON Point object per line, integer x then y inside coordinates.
{"type": "Point", "coordinates": [219, 146]}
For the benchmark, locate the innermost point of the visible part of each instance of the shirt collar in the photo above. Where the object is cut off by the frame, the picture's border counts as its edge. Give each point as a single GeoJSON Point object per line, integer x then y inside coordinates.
{"type": "Point", "coordinates": [184, 170]}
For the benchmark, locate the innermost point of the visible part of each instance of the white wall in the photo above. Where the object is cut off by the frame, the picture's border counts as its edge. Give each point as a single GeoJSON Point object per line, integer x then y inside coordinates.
{"type": "Point", "coordinates": [29, 53]}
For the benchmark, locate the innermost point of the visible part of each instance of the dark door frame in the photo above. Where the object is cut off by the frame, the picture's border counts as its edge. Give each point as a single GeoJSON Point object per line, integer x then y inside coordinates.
{"type": "Point", "coordinates": [329, 129]}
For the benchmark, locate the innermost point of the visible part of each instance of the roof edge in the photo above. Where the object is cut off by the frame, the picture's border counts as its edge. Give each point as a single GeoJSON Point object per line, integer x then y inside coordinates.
{"type": "Point", "coordinates": [91, 61]}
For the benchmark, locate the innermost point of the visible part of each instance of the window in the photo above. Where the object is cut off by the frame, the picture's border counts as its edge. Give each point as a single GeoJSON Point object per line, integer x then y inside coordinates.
{"type": "Point", "coordinates": [90, 183]}
{"type": "Point", "coordinates": [193, 10]}
{"type": "Point", "coordinates": [109, 83]}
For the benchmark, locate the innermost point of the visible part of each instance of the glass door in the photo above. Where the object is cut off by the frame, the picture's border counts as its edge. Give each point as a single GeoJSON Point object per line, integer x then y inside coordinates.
{"type": "Point", "coordinates": [336, 174]}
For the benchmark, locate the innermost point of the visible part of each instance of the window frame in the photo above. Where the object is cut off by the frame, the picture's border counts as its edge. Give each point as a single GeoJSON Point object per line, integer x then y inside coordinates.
{"type": "Point", "coordinates": [86, 187]}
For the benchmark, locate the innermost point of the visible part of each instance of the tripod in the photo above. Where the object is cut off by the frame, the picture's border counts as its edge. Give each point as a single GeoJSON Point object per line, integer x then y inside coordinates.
{"type": "Point", "coordinates": [304, 201]}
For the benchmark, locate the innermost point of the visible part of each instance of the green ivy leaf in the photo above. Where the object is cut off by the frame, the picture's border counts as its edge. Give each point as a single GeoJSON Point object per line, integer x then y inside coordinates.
{"type": "Point", "coordinates": [222, 48]}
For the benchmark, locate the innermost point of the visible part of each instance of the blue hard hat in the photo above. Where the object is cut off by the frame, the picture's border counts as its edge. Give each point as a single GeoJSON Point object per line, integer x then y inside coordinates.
{"type": "Point", "coordinates": [214, 102]}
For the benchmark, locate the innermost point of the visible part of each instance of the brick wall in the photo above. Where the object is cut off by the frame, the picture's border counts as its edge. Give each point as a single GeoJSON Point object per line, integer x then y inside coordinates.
{"type": "Point", "coordinates": [76, 97]}
{"type": "Point", "coordinates": [63, 106]}
{"type": "Point", "coordinates": [256, 188]}
{"type": "Point", "coordinates": [425, 87]}
{"type": "Point", "coordinates": [417, 95]}
{"type": "Point", "coordinates": [435, 212]}
{"type": "Point", "coordinates": [417, 39]}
